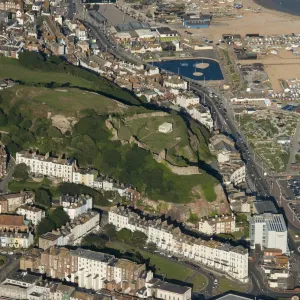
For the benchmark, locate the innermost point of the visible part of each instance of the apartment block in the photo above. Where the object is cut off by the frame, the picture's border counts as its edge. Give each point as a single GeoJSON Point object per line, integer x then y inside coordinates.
{"type": "Point", "coordinates": [11, 5]}
{"type": "Point", "coordinates": [31, 213]}
{"type": "Point", "coordinates": [268, 231]}
{"type": "Point", "coordinates": [222, 257]}
{"type": "Point", "coordinates": [217, 225]}
{"type": "Point", "coordinates": [10, 202]}
{"type": "Point", "coordinates": [73, 232]}
{"type": "Point", "coordinates": [57, 167]}
{"type": "Point", "coordinates": [75, 206]}
{"type": "Point", "coordinates": [16, 239]}
{"type": "Point", "coordinates": [85, 176]}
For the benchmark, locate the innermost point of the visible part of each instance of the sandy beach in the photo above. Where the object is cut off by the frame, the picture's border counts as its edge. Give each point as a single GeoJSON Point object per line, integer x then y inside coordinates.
{"type": "Point", "coordinates": [265, 22]}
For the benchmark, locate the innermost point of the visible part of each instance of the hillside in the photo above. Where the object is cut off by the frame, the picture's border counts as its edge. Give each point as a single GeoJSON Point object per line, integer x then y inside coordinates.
{"type": "Point", "coordinates": [61, 119]}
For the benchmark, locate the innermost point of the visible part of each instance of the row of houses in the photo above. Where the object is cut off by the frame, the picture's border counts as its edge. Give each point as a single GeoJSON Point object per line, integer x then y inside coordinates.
{"type": "Point", "coordinates": [67, 171]}
{"type": "Point", "coordinates": [96, 271]}
{"type": "Point", "coordinates": [233, 261]}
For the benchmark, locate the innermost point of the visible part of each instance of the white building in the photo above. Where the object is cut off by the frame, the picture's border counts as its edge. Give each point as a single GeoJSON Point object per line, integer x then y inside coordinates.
{"type": "Point", "coordinates": [46, 165]}
{"type": "Point", "coordinates": [75, 206]}
{"type": "Point", "coordinates": [176, 82]}
{"type": "Point", "coordinates": [73, 232]}
{"type": "Point", "coordinates": [202, 114]}
{"type": "Point", "coordinates": [259, 101]}
{"type": "Point", "coordinates": [85, 176]}
{"type": "Point", "coordinates": [268, 231]}
{"type": "Point", "coordinates": [106, 184]}
{"type": "Point", "coordinates": [217, 225]}
{"type": "Point", "coordinates": [165, 127]}
{"type": "Point", "coordinates": [168, 291]}
{"type": "Point", "coordinates": [225, 258]}
{"type": "Point", "coordinates": [239, 175]}
{"type": "Point", "coordinates": [187, 99]}
{"type": "Point", "coordinates": [31, 213]}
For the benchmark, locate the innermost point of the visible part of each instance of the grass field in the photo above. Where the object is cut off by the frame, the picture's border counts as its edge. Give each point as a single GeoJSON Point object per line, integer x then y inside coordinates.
{"type": "Point", "coordinates": [10, 68]}
{"type": "Point", "coordinates": [170, 269]}
{"type": "Point", "coordinates": [16, 186]}
{"type": "Point", "coordinates": [228, 285]}
{"type": "Point", "coordinates": [66, 101]}
{"type": "Point", "coordinates": [146, 131]}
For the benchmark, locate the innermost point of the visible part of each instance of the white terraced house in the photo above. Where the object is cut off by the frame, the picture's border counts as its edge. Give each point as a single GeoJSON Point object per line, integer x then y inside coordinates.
{"type": "Point", "coordinates": [49, 166]}
{"type": "Point", "coordinates": [222, 257]}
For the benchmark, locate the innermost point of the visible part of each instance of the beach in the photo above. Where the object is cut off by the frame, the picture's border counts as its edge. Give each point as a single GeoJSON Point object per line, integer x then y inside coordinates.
{"type": "Point", "coordinates": [264, 22]}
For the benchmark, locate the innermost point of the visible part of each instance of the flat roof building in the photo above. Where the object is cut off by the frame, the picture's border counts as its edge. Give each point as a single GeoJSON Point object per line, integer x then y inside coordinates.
{"type": "Point", "coordinates": [269, 231]}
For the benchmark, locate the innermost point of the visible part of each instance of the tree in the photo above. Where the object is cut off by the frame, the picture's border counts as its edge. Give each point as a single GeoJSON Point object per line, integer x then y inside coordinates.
{"type": "Point", "coordinates": [45, 225]}
{"type": "Point", "coordinates": [21, 172]}
{"type": "Point", "coordinates": [59, 217]}
{"type": "Point", "coordinates": [151, 247]}
{"type": "Point", "coordinates": [124, 235]}
{"type": "Point", "coordinates": [54, 132]}
{"type": "Point", "coordinates": [94, 241]}
{"type": "Point", "coordinates": [138, 239]}
{"type": "Point", "coordinates": [43, 197]}
{"type": "Point", "coordinates": [110, 231]}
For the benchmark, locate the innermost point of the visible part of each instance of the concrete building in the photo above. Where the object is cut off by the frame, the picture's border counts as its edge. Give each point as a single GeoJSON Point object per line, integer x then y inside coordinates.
{"type": "Point", "coordinates": [11, 5]}
{"type": "Point", "coordinates": [165, 127]}
{"type": "Point", "coordinates": [57, 167]}
{"type": "Point", "coordinates": [187, 99]}
{"type": "Point", "coordinates": [175, 82]}
{"type": "Point", "coordinates": [268, 231]}
{"type": "Point", "coordinates": [254, 101]}
{"type": "Point", "coordinates": [74, 206]}
{"type": "Point", "coordinates": [225, 258]}
{"type": "Point", "coordinates": [18, 285]}
{"type": "Point", "coordinates": [31, 213]}
{"type": "Point", "coordinates": [217, 225]}
{"type": "Point", "coordinates": [10, 202]}
{"type": "Point", "coordinates": [73, 232]}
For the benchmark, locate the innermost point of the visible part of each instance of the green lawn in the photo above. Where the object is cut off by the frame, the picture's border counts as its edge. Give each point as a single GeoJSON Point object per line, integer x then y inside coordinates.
{"type": "Point", "coordinates": [170, 269]}
{"type": "Point", "coordinates": [66, 101]}
{"type": "Point", "coordinates": [10, 68]}
{"type": "Point", "coordinates": [228, 285]}
{"type": "Point", "coordinates": [16, 186]}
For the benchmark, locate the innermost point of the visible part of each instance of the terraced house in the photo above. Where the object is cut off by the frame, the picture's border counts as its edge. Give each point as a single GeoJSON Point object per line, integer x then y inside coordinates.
{"type": "Point", "coordinates": [215, 255]}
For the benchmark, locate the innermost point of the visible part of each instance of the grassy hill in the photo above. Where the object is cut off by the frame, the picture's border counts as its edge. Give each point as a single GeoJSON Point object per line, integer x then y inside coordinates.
{"type": "Point", "coordinates": [26, 112]}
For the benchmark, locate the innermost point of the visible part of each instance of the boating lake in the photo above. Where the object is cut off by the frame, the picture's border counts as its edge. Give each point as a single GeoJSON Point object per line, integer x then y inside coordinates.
{"type": "Point", "coordinates": [188, 68]}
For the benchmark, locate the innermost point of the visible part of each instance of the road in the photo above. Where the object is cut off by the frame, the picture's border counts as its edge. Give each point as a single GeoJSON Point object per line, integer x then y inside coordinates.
{"type": "Point", "coordinates": [294, 147]}
{"type": "Point", "coordinates": [4, 183]}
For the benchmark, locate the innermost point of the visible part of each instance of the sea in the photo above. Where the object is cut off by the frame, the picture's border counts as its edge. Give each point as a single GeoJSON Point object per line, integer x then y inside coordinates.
{"type": "Point", "coordinates": [286, 6]}
{"type": "Point", "coordinates": [187, 68]}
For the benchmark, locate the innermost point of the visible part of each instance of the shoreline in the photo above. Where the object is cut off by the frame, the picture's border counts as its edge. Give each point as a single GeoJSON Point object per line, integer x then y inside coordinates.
{"type": "Point", "coordinates": [267, 8]}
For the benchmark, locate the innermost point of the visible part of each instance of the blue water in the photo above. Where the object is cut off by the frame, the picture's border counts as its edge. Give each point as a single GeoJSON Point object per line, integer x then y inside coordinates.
{"type": "Point", "coordinates": [213, 72]}
{"type": "Point", "coordinates": [287, 6]}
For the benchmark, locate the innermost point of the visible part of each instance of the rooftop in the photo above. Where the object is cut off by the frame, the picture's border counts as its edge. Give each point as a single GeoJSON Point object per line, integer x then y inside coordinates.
{"type": "Point", "coordinates": [170, 287]}
{"type": "Point", "coordinates": [98, 256]}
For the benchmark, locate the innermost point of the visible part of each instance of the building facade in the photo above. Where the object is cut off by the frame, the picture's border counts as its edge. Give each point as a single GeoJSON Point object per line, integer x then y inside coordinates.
{"type": "Point", "coordinates": [47, 166]}
{"type": "Point", "coordinates": [75, 206]}
{"type": "Point", "coordinates": [31, 213]}
{"type": "Point", "coordinates": [225, 258]}
{"type": "Point", "coordinates": [268, 231]}
{"type": "Point", "coordinates": [10, 202]}
{"type": "Point", "coordinates": [217, 225]}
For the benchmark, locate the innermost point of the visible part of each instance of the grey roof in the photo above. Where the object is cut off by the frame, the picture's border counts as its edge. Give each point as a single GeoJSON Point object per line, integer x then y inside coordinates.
{"type": "Point", "coordinates": [274, 222]}
{"type": "Point", "coordinates": [265, 206]}
{"type": "Point", "coordinates": [97, 16]}
{"type": "Point", "coordinates": [170, 287]}
{"type": "Point", "coordinates": [232, 297]}
{"type": "Point", "coordinates": [92, 255]}
{"type": "Point", "coordinates": [23, 277]}
{"type": "Point", "coordinates": [132, 26]}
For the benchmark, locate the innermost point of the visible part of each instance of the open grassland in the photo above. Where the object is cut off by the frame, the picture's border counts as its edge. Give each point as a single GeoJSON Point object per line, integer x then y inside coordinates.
{"type": "Point", "coordinates": [67, 101]}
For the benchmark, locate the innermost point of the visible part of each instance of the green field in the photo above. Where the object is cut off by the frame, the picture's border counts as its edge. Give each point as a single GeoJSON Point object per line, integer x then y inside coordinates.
{"type": "Point", "coordinates": [228, 285]}
{"type": "Point", "coordinates": [10, 68]}
{"type": "Point", "coordinates": [67, 101]}
{"type": "Point", "coordinates": [146, 131]}
{"type": "Point", "coordinates": [171, 270]}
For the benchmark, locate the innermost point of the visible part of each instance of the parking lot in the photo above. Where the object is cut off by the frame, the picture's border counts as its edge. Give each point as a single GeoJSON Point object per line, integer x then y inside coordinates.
{"type": "Point", "coordinates": [292, 187]}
